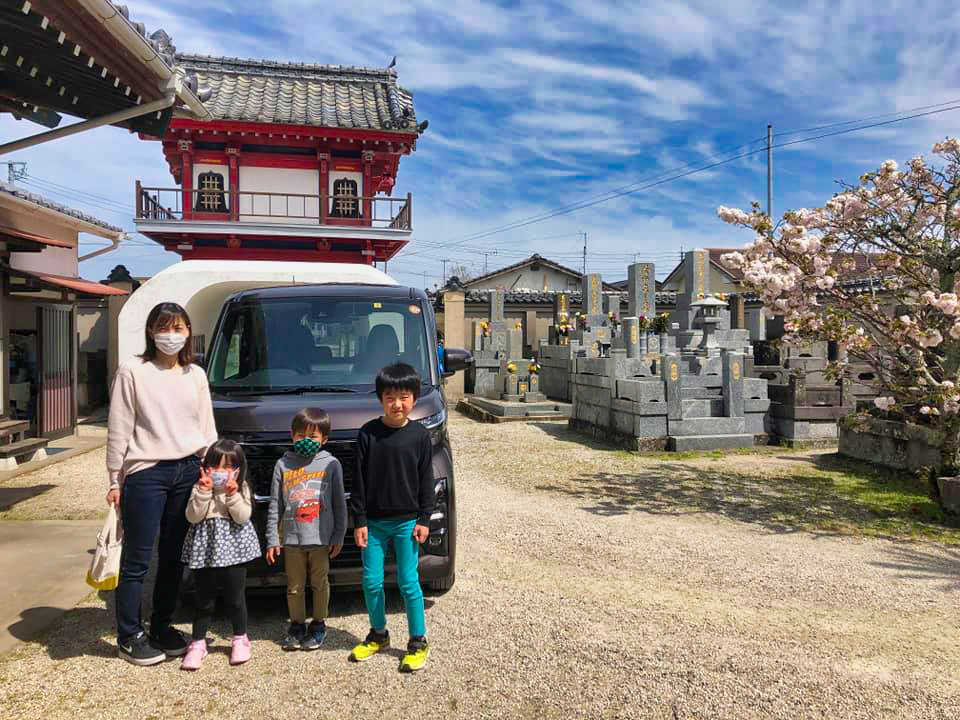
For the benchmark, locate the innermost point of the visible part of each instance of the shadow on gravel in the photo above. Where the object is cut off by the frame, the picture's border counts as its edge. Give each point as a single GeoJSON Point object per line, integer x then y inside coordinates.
{"type": "Point", "coordinates": [10, 496]}
{"type": "Point", "coordinates": [90, 632]}
{"type": "Point", "coordinates": [79, 632]}
{"type": "Point", "coordinates": [799, 503]}
{"type": "Point", "coordinates": [912, 563]}
{"type": "Point", "coordinates": [559, 431]}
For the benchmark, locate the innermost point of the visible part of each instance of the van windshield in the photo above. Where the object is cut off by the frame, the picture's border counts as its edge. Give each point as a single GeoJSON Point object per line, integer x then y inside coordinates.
{"type": "Point", "coordinates": [324, 343]}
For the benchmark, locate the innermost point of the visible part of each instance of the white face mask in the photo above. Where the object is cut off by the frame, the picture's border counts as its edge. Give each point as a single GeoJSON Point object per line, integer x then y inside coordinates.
{"type": "Point", "coordinates": [220, 477]}
{"type": "Point", "coordinates": [169, 343]}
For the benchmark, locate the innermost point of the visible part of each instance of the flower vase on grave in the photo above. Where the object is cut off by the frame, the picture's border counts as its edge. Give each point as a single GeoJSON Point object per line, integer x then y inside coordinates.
{"type": "Point", "coordinates": [663, 343]}
{"type": "Point", "coordinates": [653, 342]}
{"type": "Point", "coordinates": [644, 343]}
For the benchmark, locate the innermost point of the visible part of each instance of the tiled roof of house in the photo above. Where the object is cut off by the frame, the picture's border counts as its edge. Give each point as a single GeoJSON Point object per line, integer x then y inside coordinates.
{"type": "Point", "coordinates": [535, 258]}
{"type": "Point", "coordinates": [544, 297]}
{"type": "Point", "coordinates": [50, 204]}
{"type": "Point", "coordinates": [337, 96]}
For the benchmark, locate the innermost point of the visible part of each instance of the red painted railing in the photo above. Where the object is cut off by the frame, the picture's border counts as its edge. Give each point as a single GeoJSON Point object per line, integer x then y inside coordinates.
{"type": "Point", "coordinates": [167, 204]}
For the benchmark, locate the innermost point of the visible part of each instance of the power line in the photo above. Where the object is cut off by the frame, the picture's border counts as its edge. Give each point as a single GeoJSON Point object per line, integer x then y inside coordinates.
{"type": "Point", "coordinates": [864, 119]}
{"type": "Point", "coordinates": [637, 187]}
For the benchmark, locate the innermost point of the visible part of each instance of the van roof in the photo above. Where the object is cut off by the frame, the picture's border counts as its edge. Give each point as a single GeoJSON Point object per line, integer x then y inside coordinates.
{"type": "Point", "coordinates": [330, 289]}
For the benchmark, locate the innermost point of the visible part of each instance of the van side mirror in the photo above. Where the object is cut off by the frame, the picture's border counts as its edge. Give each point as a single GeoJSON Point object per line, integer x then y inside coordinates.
{"type": "Point", "coordinates": [455, 360]}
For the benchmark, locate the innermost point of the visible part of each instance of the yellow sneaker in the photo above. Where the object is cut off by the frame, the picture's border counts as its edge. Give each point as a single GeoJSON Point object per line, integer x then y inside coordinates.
{"type": "Point", "coordinates": [416, 657]}
{"type": "Point", "coordinates": [374, 643]}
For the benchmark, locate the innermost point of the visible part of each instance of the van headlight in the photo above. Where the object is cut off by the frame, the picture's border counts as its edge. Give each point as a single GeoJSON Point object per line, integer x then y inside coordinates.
{"type": "Point", "coordinates": [436, 420]}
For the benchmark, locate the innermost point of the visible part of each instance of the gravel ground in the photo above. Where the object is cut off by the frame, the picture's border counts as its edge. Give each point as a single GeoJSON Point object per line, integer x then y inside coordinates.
{"type": "Point", "coordinates": [70, 490]}
{"type": "Point", "coordinates": [570, 605]}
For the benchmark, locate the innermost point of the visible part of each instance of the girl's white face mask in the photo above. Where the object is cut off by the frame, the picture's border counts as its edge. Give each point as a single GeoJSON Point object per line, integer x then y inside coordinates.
{"type": "Point", "coordinates": [169, 343]}
{"type": "Point", "coordinates": [220, 477]}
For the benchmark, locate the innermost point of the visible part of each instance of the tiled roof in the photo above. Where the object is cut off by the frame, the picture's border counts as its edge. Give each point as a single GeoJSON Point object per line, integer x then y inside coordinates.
{"type": "Point", "coordinates": [545, 297]}
{"type": "Point", "coordinates": [535, 258]}
{"type": "Point", "coordinates": [338, 96]}
{"type": "Point", "coordinates": [50, 204]}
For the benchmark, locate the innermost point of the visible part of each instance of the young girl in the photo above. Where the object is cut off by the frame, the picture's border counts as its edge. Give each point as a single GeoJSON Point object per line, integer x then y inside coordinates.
{"type": "Point", "coordinates": [219, 543]}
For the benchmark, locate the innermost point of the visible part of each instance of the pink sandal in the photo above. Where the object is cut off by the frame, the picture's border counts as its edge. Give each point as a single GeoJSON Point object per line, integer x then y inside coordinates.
{"type": "Point", "coordinates": [196, 652]}
{"type": "Point", "coordinates": [240, 652]}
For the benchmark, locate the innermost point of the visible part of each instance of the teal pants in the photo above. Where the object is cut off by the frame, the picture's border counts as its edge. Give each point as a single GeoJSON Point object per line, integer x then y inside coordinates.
{"type": "Point", "coordinates": [380, 533]}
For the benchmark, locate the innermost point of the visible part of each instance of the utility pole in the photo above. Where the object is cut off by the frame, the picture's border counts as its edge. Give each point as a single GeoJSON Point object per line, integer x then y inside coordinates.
{"type": "Point", "coordinates": [424, 279]}
{"type": "Point", "coordinates": [770, 176]}
{"type": "Point", "coordinates": [444, 261]}
{"type": "Point", "coordinates": [15, 171]}
{"type": "Point", "coordinates": [584, 252]}
{"type": "Point", "coordinates": [485, 254]}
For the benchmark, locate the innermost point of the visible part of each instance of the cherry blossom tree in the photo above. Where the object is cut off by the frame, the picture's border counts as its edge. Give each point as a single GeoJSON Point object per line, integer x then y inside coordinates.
{"type": "Point", "coordinates": [906, 225]}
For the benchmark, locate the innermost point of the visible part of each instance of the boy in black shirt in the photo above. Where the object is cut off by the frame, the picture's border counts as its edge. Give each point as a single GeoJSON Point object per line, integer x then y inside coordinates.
{"type": "Point", "coordinates": [392, 498]}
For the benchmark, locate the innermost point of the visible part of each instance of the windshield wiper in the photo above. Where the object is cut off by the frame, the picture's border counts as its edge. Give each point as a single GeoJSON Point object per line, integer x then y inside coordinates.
{"type": "Point", "coordinates": [296, 390]}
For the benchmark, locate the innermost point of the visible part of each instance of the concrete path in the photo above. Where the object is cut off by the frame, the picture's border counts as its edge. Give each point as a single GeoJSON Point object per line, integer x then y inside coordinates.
{"type": "Point", "coordinates": [43, 564]}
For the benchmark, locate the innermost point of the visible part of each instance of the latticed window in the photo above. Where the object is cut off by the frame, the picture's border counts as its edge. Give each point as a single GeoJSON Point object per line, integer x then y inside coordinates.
{"type": "Point", "coordinates": [345, 200]}
{"type": "Point", "coordinates": [210, 195]}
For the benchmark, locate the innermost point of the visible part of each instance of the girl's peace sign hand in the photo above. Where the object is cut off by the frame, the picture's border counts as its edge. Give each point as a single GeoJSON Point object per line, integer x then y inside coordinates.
{"type": "Point", "coordinates": [231, 486]}
{"type": "Point", "coordinates": [205, 482]}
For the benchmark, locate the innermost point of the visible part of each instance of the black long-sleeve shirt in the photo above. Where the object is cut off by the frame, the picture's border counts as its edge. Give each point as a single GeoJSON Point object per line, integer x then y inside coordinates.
{"type": "Point", "coordinates": [394, 476]}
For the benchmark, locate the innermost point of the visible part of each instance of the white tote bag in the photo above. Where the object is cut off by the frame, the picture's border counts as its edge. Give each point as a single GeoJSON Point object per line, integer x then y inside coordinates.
{"type": "Point", "coordinates": [105, 567]}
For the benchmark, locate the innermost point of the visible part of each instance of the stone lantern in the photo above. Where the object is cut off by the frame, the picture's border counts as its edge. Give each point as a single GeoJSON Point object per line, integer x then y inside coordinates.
{"type": "Point", "coordinates": [709, 312]}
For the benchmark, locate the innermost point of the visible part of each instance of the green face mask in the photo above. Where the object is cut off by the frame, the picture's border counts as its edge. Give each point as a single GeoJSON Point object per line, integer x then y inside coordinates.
{"type": "Point", "coordinates": [307, 447]}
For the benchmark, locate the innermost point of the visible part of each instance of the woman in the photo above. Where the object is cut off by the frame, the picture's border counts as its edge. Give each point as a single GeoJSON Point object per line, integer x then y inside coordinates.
{"type": "Point", "coordinates": [161, 422]}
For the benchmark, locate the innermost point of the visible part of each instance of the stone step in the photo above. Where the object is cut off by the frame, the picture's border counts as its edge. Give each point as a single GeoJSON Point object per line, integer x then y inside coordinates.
{"type": "Point", "coordinates": [697, 393]}
{"type": "Point", "coordinates": [702, 407]}
{"type": "Point", "coordinates": [707, 426]}
{"type": "Point", "coordinates": [687, 443]}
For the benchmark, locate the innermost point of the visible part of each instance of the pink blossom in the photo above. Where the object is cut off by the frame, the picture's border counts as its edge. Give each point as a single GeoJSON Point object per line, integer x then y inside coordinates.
{"type": "Point", "coordinates": [948, 146]}
{"type": "Point", "coordinates": [925, 410]}
{"type": "Point", "coordinates": [734, 216]}
{"type": "Point", "coordinates": [884, 403]}
{"type": "Point", "coordinates": [888, 167]}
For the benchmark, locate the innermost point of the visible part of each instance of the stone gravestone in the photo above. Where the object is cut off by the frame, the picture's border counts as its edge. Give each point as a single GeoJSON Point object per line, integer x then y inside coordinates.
{"type": "Point", "coordinates": [593, 299]}
{"type": "Point", "coordinates": [642, 289]}
{"type": "Point", "coordinates": [738, 308]}
{"type": "Point", "coordinates": [497, 299]}
{"type": "Point", "coordinates": [497, 341]}
{"type": "Point", "coordinates": [631, 336]}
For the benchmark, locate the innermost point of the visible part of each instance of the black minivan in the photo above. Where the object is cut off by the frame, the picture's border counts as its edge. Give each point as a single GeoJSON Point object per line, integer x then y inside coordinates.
{"type": "Point", "coordinates": [277, 350]}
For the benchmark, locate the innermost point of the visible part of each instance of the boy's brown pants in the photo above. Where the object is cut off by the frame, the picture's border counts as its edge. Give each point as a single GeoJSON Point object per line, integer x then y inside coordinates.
{"type": "Point", "coordinates": [299, 564]}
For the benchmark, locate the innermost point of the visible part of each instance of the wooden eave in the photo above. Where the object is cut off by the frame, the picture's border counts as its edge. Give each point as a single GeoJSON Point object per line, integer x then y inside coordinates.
{"type": "Point", "coordinates": [57, 58]}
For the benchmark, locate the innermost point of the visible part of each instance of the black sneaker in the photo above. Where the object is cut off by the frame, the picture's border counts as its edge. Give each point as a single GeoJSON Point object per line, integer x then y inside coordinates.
{"type": "Point", "coordinates": [294, 638]}
{"type": "Point", "coordinates": [316, 634]}
{"type": "Point", "coordinates": [138, 651]}
{"type": "Point", "coordinates": [170, 640]}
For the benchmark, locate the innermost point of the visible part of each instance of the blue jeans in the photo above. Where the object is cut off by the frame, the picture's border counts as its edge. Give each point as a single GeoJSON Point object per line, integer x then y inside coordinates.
{"type": "Point", "coordinates": [153, 501]}
{"type": "Point", "coordinates": [380, 533]}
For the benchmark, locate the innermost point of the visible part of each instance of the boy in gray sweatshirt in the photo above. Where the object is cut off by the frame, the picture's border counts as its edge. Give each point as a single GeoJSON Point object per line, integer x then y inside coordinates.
{"type": "Point", "coordinates": [308, 515]}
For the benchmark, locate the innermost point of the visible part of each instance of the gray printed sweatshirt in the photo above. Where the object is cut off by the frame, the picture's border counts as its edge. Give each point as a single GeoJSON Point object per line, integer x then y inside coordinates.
{"type": "Point", "coordinates": [307, 505]}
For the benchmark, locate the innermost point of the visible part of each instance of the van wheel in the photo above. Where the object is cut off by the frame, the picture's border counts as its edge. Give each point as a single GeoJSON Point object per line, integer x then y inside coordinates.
{"type": "Point", "coordinates": [441, 585]}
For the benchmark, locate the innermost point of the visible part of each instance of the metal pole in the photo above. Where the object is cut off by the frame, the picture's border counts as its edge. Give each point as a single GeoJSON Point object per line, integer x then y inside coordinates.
{"type": "Point", "coordinates": [445, 261]}
{"type": "Point", "coordinates": [770, 175]}
{"type": "Point", "coordinates": [584, 252]}
{"type": "Point", "coordinates": [115, 117]}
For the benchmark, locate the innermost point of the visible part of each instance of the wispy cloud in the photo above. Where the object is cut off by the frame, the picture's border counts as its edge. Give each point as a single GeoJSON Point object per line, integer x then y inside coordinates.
{"type": "Point", "coordinates": [537, 105]}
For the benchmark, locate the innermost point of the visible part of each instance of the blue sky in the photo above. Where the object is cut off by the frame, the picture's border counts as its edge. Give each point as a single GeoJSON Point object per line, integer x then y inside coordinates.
{"type": "Point", "coordinates": [537, 105]}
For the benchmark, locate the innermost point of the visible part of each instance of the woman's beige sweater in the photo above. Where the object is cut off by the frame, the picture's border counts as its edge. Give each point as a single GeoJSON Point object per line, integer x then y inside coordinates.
{"type": "Point", "coordinates": [157, 414]}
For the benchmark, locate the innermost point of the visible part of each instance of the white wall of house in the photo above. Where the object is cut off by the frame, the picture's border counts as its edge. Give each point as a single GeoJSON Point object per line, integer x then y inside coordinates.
{"type": "Point", "coordinates": [526, 278]}
{"type": "Point", "coordinates": [52, 260]}
{"type": "Point", "coordinates": [267, 209]}
{"type": "Point", "coordinates": [719, 282]}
